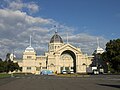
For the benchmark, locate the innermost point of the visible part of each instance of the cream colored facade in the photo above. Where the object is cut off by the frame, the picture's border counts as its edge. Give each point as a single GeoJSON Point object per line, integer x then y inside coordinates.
{"type": "Point", "coordinates": [59, 56]}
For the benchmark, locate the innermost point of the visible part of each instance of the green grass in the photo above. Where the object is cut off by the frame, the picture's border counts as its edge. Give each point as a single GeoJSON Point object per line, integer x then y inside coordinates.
{"type": "Point", "coordinates": [73, 75]}
{"type": "Point", "coordinates": [21, 74]}
{"type": "Point", "coordinates": [4, 75]}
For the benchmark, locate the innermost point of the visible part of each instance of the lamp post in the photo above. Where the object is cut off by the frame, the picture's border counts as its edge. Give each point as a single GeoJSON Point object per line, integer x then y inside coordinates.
{"type": "Point", "coordinates": [63, 64]}
{"type": "Point", "coordinates": [40, 67]}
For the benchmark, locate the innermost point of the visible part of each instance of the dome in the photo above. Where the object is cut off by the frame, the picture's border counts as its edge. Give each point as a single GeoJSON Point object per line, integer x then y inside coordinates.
{"type": "Point", "coordinates": [99, 50]}
{"type": "Point", "coordinates": [29, 49]}
{"type": "Point", "coordinates": [56, 39]}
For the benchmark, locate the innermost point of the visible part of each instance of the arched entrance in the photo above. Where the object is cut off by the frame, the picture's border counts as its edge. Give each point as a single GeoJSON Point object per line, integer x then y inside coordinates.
{"type": "Point", "coordinates": [69, 60]}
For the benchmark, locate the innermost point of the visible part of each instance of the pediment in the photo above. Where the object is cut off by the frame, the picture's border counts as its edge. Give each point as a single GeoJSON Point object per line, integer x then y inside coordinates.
{"type": "Point", "coordinates": [68, 47]}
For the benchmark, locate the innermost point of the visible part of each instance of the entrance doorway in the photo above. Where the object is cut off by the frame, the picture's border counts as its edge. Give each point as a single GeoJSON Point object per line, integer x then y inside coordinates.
{"type": "Point", "coordinates": [68, 61]}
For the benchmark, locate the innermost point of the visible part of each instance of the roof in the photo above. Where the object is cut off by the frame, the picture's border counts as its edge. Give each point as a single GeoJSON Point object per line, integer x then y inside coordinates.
{"type": "Point", "coordinates": [56, 39]}
{"type": "Point", "coordinates": [29, 49]}
{"type": "Point", "coordinates": [99, 50]}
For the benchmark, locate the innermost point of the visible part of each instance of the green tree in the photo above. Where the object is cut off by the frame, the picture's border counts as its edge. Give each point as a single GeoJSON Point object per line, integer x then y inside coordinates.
{"type": "Point", "coordinates": [1, 66]}
{"type": "Point", "coordinates": [112, 55]}
{"type": "Point", "coordinates": [11, 66]}
{"type": "Point", "coordinates": [8, 57]}
{"type": "Point", "coordinates": [8, 65]}
{"type": "Point", "coordinates": [0, 59]}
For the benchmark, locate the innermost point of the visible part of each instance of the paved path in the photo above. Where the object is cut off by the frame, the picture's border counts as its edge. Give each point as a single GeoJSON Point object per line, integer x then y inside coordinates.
{"type": "Point", "coordinates": [61, 83]}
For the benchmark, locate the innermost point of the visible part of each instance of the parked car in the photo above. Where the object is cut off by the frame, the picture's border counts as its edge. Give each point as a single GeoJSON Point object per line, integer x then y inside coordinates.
{"type": "Point", "coordinates": [92, 70]}
{"type": "Point", "coordinates": [71, 71]}
{"type": "Point", "coordinates": [47, 72]}
{"type": "Point", "coordinates": [64, 72]}
{"type": "Point", "coordinates": [95, 72]}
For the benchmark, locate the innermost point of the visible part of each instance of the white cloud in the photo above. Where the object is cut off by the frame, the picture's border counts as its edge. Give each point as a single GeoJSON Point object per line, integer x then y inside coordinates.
{"type": "Point", "coordinates": [16, 27]}
{"type": "Point", "coordinates": [20, 5]}
{"type": "Point", "coordinates": [32, 7]}
{"type": "Point", "coordinates": [15, 5]}
{"type": "Point", "coordinates": [87, 43]}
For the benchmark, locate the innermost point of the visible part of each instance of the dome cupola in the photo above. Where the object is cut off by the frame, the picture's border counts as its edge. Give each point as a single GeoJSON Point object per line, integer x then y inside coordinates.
{"type": "Point", "coordinates": [56, 39]}
{"type": "Point", "coordinates": [29, 49]}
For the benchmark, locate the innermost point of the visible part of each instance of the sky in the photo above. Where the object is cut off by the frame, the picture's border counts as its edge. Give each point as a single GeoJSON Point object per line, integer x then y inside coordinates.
{"type": "Point", "coordinates": [82, 20]}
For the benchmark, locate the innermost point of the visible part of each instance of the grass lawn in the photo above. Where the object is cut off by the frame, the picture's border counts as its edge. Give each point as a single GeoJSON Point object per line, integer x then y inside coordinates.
{"type": "Point", "coordinates": [73, 75]}
{"type": "Point", "coordinates": [3, 75]}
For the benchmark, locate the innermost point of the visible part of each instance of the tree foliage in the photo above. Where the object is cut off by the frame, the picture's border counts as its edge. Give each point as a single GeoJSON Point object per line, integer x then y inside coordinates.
{"type": "Point", "coordinates": [112, 54]}
{"type": "Point", "coordinates": [8, 65]}
{"type": "Point", "coordinates": [7, 57]}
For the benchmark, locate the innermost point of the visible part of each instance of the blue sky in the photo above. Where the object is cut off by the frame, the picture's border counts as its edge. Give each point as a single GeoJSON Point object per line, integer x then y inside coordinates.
{"type": "Point", "coordinates": [83, 20]}
{"type": "Point", "coordinates": [96, 17]}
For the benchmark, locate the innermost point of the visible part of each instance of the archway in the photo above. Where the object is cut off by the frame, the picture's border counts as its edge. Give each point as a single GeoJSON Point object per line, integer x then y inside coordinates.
{"type": "Point", "coordinates": [71, 56]}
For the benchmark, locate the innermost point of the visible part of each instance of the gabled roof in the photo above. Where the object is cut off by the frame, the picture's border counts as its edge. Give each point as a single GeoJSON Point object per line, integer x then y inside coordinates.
{"type": "Point", "coordinates": [68, 47]}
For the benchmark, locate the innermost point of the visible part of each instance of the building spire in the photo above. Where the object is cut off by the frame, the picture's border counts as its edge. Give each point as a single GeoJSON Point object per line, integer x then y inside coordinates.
{"type": "Point", "coordinates": [55, 27]}
{"type": "Point", "coordinates": [98, 42]}
{"type": "Point", "coordinates": [30, 40]}
{"type": "Point", "coordinates": [67, 38]}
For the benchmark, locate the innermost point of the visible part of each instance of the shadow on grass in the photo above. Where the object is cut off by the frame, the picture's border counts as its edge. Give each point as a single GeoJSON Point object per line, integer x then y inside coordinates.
{"type": "Point", "coordinates": [109, 85]}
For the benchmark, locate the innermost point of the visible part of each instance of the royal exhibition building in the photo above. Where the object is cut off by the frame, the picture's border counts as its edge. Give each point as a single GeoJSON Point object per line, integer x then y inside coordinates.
{"type": "Point", "coordinates": [60, 56]}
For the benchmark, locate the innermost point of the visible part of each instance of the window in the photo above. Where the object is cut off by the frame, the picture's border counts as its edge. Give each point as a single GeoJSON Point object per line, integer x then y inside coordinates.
{"type": "Point", "coordinates": [28, 68]}
{"type": "Point", "coordinates": [29, 57]}
{"type": "Point", "coordinates": [37, 68]}
{"type": "Point", "coordinates": [43, 67]}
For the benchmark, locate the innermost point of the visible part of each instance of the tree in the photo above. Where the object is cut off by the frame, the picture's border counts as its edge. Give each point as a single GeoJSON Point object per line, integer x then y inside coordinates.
{"type": "Point", "coordinates": [8, 57]}
{"type": "Point", "coordinates": [8, 65]}
{"type": "Point", "coordinates": [1, 65]}
{"type": "Point", "coordinates": [112, 55]}
{"type": "Point", "coordinates": [11, 66]}
{"type": "Point", "coordinates": [0, 59]}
